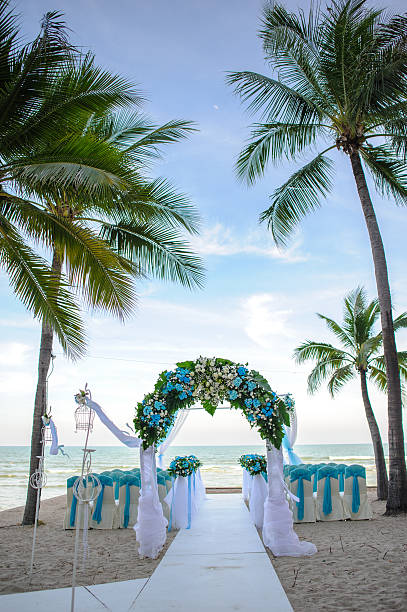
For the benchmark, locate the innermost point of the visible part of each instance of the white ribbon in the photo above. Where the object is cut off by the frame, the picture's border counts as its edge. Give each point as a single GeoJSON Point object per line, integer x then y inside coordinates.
{"type": "Point", "coordinates": [123, 436]}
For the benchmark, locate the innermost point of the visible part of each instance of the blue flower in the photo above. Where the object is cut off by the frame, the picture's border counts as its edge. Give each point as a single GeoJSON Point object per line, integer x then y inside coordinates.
{"type": "Point", "coordinates": [159, 405]}
{"type": "Point", "coordinates": [237, 382]}
{"type": "Point", "coordinates": [233, 394]}
{"type": "Point", "coordinates": [169, 386]}
{"type": "Point", "coordinates": [169, 374]}
{"type": "Point", "coordinates": [178, 387]}
{"type": "Point", "coordinates": [147, 410]}
{"type": "Point", "coordinates": [248, 402]}
{"type": "Point", "coordinates": [241, 371]}
{"type": "Point", "coordinates": [250, 417]}
{"type": "Point", "coordinates": [182, 395]}
{"type": "Point", "coordinates": [256, 403]}
{"type": "Point", "coordinates": [251, 385]}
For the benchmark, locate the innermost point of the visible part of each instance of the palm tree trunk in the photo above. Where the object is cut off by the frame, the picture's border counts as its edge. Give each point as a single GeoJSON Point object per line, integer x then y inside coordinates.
{"type": "Point", "coordinates": [40, 404]}
{"type": "Point", "coordinates": [381, 470]}
{"type": "Point", "coordinates": [397, 495]}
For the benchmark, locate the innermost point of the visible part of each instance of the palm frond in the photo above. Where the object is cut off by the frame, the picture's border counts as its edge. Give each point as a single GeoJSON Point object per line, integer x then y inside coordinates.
{"type": "Point", "coordinates": [274, 141]}
{"type": "Point", "coordinates": [298, 197]}
{"type": "Point", "coordinates": [323, 370]}
{"type": "Point", "coordinates": [276, 100]}
{"type": "Point", "coordinates": [157, 251]}
{"type": "Point", "coordinates": [319, 351]}
{"type": "Point", "coordinates": [339, 378]}
{"type": "Point", "coordinates": [49, 299]}
{"type": "Point", "coordinates": [389, 172]}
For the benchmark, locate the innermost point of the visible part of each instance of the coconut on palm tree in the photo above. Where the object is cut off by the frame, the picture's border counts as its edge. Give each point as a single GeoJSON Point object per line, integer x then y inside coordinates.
{"type": "Point", "coordinates": [358, 356]}
{"type": "Point", "coordinates": [340, 83]}
{"type": "Point", "coordinates": [79, 187]}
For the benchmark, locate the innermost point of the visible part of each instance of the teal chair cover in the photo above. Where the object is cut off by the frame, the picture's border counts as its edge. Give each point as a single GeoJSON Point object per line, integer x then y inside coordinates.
{"type": "Point", "coordinates": [355, 471]}
{"type": "Point", "coordinates": [161, 479]}
{"type": "Point", "coordinates": [129, 481]}
{"type": "Point", "coordinates": [105, 481]}
{"type": "Point", "coordinates": [341, 475]}
{"type": "Point", "coordinates": [327, 472]}
{"type": "Point", "coordinates": [300, 474]}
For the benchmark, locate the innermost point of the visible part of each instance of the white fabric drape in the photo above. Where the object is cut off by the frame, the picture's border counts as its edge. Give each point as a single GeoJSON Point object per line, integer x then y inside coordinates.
{"type": "Point", "coordinates": [179, 422]}
{"type": "Point", "coordinates": [177, 500]}
{"type": "Point", "coordinates": [123, 436]}
{"type": "Point", "coordinates": [247, 484]}
{"type": "Point", "coordinates": [258, 496]}
{"type": "Point", "coordinates": [290, 438]}
{"type": "Point", "coordinates": [151, 523]}
{"type": "Point", "coordinates": [278, 531]}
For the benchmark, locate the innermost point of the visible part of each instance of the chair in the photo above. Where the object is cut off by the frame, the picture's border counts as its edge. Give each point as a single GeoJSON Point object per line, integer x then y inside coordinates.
{"type": "Point", "coordinates": [355, 495]}
{"type": "Point", "coordinates": [329, 504]}
{"type": "Point", "coordinates": [304, 510]}
{"type": "Point", "coordinates": [72, 506]}
{"type": "Point", "coordinates": [129, 493]}
{"type": "Point", "coordinates": [104, 511]}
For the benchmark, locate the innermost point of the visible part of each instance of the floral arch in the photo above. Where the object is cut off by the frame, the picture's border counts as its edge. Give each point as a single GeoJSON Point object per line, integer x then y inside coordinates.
{"type": "Point", "coordinates": [212, 381]}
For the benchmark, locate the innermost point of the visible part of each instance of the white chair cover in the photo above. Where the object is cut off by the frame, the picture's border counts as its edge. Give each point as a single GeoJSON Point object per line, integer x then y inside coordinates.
{"type": "Point", "coordinates": [278, 531]}
{"type": "Point", "coordinates": [365, 509]}
{"type": "Point", "coordinates": [339, 512]}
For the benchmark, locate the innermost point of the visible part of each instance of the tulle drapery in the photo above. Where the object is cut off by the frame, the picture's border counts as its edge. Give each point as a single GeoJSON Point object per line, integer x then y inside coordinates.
{"type": "Point", "coordinates": [258, 496]}
{"type": "Point", "coordinates": [151, 524]}
{"type": "Point", "coordinates": [278, 530]}
{"type": "Point", "coordinates": [184, 500]}
{"type": "Point", "coordinates": [178, 424]}
{"type": "Point", "coordinates": [290, 438]}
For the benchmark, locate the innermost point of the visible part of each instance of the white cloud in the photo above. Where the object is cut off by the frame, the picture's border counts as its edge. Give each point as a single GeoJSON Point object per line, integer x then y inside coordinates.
{"type": "Point", "coordinates": [13, 353]}
{"type": "Point", "coordinates": [219, 240]}
{"type": "Point", "coordinates": [216, 107]}
{"type": "Point", "coordinates": [265, 319]}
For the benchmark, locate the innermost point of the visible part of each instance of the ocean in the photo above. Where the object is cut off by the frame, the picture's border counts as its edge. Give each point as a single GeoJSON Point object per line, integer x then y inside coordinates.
{"type": "Point", "coordinates": [220, 466]}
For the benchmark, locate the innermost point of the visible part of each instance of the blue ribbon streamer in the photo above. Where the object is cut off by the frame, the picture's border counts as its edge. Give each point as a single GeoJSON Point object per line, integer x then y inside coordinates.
{"type": "Point", "coordinates": [97, 514]}
{"type": "Point", "coordinates": [126, 516]}
{"type": "Point", "coordinates": [327, 505]}
{"type": "Point", "coordinates": [189, 502]}
{"type": "Point", "coordinates": [73, 512]}
{"type": "Point", "coordinates": [355, 495]}
{"type": "Point", "coordinates": [300, 494]}
{"type": "Point", "coordinates": [172, 504]}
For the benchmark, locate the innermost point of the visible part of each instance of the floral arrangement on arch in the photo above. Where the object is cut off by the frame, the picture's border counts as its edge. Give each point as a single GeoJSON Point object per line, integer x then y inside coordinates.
{"type": "Point", "coordinates": [212, 381]}
{"type": "Point", "coordinates": [254, 464]}
{"type": "Point", "coordinates": [184, 466]}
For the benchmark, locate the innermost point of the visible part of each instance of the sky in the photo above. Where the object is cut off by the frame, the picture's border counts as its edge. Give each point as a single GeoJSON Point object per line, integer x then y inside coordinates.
{"type": "Point", "coordinates": [258, 303]}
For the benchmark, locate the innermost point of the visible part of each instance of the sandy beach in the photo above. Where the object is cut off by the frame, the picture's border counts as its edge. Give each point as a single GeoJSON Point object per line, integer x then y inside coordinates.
{"type": "Point", "coordinates": [359, 565]}
{"type": "Point", "coordinates": [112, 553]}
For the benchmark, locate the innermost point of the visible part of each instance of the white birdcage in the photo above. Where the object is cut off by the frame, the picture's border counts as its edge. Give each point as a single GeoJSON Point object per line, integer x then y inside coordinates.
{"type": "Point", "coordinates": [84, 418]}
{"type": "Point", "coordinates": [47, 434]}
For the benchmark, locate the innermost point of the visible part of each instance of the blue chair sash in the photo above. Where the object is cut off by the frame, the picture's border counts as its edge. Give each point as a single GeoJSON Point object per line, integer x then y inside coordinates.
{"type": "Point", "coordinates": [327, 503]}
{"type": "Point", "coordinates": [97, 513]}
{"type": "Point", "coordinates": [300, 474]}
{"type": "Point", "coordinates": [355, 471]}
{"type": "Point", "coordinates": [126, 516]}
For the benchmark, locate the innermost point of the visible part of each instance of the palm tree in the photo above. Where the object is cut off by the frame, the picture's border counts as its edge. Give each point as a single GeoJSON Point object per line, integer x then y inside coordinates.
{"type": "Point", "coordinates": [34, 100]}
{"type": "Point", "coordinates": [341, 81]}
{"type": "Point", "coordinates": [81, 191]}
{"type": "Point", "coordinates": [359, 356]}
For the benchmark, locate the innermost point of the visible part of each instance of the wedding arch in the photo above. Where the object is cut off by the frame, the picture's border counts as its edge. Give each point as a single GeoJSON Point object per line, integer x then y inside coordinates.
{"type": "Point", "coordinates": [211, 381]}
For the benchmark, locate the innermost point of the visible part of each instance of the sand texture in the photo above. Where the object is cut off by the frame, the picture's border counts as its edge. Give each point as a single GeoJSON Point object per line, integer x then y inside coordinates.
{"type": "Point", "coordinates": [112, 553]}
{"type": "Point", "coordinates": [360, 565]}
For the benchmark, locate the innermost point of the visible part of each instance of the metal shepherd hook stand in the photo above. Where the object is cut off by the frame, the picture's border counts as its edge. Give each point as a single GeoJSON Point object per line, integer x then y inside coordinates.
{"type": "Point", "coordinates": [87, 487]}
{"type": "Point", "coordinates": [38, 479]}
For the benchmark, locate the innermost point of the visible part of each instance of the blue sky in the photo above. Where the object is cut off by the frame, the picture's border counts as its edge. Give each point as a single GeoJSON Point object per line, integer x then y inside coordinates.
{"type": "Point", "coordinates": [258, 303]}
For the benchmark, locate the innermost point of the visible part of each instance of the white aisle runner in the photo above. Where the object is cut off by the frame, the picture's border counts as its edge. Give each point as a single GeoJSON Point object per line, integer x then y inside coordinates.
{"type": "Point", "coordinates": [220, 564]}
